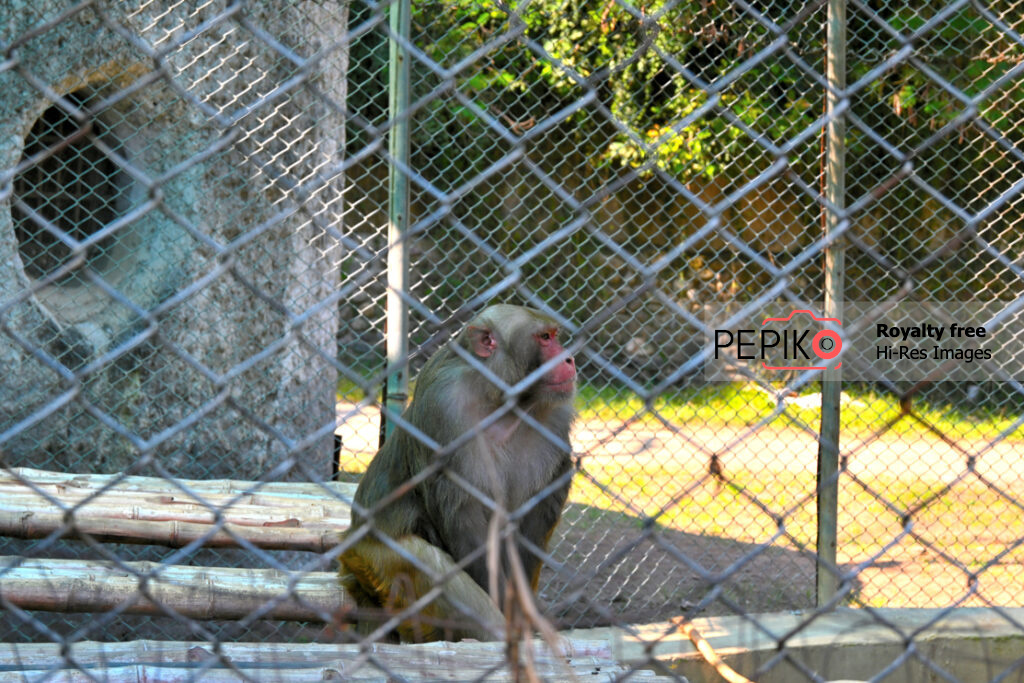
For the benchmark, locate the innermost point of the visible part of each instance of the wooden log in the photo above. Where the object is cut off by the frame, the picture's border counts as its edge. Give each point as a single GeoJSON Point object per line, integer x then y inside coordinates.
{"type": "Point", "coordinates": [133, 509]}
{"type": "Point", "coordinates": [287, 489]}
{"type": "Point", "coordinates": [137, 661]}
{"type": "Point", "coordinates": [195, 592]}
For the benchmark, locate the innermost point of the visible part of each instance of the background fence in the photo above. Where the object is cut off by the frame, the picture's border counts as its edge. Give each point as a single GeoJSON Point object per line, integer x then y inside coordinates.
{"type": "Point", "coordinates": [194, 212]}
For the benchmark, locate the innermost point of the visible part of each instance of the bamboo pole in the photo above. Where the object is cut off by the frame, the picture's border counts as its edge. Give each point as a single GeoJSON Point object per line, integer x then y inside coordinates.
{"type": "Point", "coordinates": [151, 510]}
{"type": "Point", "coordinates": [196, 592]}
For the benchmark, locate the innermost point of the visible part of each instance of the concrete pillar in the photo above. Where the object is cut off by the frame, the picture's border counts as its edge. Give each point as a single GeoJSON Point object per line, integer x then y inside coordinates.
{"type": "Point", "coordinates": [197, 324]}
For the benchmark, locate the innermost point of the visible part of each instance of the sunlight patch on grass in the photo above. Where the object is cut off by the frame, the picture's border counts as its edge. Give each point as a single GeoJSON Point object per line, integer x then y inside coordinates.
{"type": "Point", "coordinates": [742, 405]}
{"type": "Point", "coordinates": [971, 521]}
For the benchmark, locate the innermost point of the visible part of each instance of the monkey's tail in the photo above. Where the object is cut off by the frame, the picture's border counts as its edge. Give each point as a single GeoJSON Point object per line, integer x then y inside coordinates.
{"type": "Point", "coordinates": [687, 628]}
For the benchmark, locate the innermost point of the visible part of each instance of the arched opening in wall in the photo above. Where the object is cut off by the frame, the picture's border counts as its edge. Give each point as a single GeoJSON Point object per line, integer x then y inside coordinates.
{"type": "Point", "coordinates": [75, 186]}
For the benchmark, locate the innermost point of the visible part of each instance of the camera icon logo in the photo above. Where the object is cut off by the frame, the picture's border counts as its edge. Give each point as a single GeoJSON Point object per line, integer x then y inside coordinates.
{"type": "Point", "coordinates": [825, 345]}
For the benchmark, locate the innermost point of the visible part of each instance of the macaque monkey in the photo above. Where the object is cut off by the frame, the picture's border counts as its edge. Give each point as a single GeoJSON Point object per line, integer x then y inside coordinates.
{"type": "Point", "coordinates": [439, 522]}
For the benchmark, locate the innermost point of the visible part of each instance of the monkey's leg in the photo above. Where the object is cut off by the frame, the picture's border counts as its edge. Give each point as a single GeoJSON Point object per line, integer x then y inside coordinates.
{"type": "Point", "coordinates": [462, 610]}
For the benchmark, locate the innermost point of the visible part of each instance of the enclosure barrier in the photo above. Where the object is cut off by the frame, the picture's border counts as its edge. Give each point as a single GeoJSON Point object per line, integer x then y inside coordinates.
{"type": "Point", "coordinates": [781, 242]}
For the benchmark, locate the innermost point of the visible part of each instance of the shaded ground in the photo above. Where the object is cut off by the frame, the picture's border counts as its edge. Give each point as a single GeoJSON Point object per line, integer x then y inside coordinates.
{"type": "Point", "coordinates": [708, 532]}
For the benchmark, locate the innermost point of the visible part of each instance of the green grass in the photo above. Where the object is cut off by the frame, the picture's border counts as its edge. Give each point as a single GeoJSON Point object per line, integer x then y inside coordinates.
{"type": "Point", "coordinates": [350, 392]}
{"type": "Point", "coordinates": [740, 405]}
{"type": "Point", "coordinates": [968, 518]}
{"type": "Point", "coordinates": [973, 522]}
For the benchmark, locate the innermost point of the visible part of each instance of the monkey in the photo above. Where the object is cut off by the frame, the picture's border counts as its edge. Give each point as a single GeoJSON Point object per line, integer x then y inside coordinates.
{"type": "Point", "coordinates": [438, 521]}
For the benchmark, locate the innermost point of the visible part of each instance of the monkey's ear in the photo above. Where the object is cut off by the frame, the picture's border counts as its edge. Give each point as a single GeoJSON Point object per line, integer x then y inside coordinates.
{"type": "Point", "coordinates": [482, 341]}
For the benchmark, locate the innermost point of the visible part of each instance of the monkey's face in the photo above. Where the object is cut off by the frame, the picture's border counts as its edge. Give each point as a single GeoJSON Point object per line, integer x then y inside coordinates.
{"type": "Point", "coordinates": [560, 381]}
{"type": "Point", "coordinates": [515, 342]}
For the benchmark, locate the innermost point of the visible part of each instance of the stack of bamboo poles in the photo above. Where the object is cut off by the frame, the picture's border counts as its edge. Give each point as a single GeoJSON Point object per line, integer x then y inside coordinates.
{"type": "Point", "coordinates": [36, 504]}
{"type": "Point", "coordinates": [111, 508]}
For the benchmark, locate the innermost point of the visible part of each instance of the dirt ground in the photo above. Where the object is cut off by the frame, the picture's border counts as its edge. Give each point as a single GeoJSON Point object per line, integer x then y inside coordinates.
{"type": "Point", "coordinates": [612, 564]}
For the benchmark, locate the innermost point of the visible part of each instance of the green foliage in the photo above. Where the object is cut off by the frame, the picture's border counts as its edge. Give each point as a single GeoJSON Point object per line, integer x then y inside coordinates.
{"type": "Point", "coordinates": [965, 49]}
{"type": "Point", "coordinates": [651, 65]}
{"type": "Point", "coordinates": [553, 52]}
{"type": "Point", "coordinates": [691, 89]}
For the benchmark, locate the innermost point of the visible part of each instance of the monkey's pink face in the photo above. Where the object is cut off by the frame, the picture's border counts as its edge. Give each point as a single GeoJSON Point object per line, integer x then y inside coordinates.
{"type": "Point", "coordinates": [562, 378]}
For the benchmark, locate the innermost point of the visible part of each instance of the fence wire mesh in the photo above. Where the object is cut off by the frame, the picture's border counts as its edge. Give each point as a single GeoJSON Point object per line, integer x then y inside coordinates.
{"type": "Point", "coordinates": [194, 215]}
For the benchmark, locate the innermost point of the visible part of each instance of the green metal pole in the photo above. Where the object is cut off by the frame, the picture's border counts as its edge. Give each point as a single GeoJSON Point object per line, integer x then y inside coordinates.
{"type": "Point", "coordinates": [827, 584]}
{"type": "Point", "coordinates": [397, 389]}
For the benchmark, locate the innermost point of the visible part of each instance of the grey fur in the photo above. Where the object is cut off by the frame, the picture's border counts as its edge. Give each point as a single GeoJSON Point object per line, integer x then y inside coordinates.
{"type": "Point", "coordinates": [509, 461]}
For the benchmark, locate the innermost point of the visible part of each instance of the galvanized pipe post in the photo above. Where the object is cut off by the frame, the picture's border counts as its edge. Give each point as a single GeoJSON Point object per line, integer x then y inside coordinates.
{"type": "Point", "coordinates": [397, 389]}
{"type": "Point", "coordinates": [827, 583]}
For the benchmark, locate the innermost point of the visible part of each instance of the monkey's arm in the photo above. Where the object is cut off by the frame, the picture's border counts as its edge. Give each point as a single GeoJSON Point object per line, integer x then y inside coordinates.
{"type": "Point", "coordinates": [539, 523]}
{"type": "Point", "coordinates": [387, 581]}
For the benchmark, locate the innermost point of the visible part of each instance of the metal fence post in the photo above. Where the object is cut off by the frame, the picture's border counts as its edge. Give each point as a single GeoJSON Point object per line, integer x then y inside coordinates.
{"type": "Point", "coordinates": [835, 191]}
{"type": "Point", "coordinates": [397, 332]}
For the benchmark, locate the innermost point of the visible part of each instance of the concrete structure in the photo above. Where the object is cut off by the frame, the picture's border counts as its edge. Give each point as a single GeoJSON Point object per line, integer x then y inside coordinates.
{"type": "Point", "coordinates": [971, 644]}
{"type": "Point", "coordinates": [195, 322]}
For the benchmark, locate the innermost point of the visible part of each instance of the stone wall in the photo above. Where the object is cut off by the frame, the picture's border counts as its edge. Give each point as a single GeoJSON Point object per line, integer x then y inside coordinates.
{"type": "Point", "coordinates": [195, 324]}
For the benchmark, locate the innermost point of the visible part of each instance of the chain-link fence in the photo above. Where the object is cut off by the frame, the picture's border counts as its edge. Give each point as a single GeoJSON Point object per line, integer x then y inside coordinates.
{"type": "Point", "coordinates": [209, 210]}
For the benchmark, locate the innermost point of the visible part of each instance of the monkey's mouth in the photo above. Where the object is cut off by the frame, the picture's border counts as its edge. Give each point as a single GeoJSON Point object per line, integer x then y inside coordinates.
{"type": "Point", "coordinates": [566, 387]}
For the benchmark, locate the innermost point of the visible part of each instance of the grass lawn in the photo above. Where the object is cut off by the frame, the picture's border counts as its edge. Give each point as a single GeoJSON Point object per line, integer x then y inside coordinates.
{"type": "Point", "coordinates": [922, 537]}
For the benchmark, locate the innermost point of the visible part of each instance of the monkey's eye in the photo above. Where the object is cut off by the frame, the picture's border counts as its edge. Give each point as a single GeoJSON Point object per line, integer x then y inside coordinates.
{"type": "Point", "coordinates": [547, 336]}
